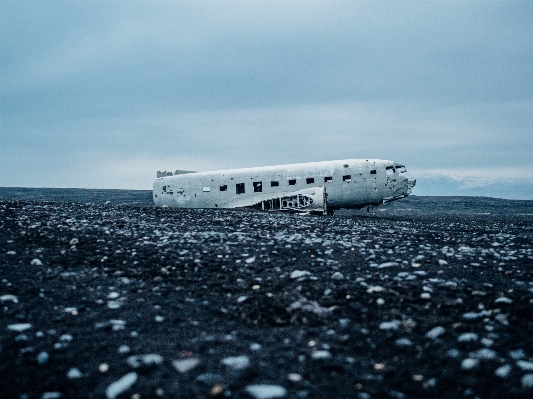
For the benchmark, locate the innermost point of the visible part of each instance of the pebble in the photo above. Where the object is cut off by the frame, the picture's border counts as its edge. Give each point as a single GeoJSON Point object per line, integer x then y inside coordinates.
{"type": "Point", "coordinates": [527, 381]}
{"type": "Point", "coordinates": [468, 363]}
{"type": "Point", "coordinates": [467, 337]}
{"type": "Point", "coordinates": [236, 362]}
{"type": "Point", "coordinates": [74, 373]}
{"type": "Point", "coordinates": [337, 276]}
{"type": "Point", "coordinates": [387, 264]}
{"type": "Point", "coordinates": [36, 262]}
{"type": "Point", "coordinates": [123, 349]}
{"type": "Point", "coordinates": [300, 273]}
{"type": "Point", "coordinates": [389, 325]}
{"type": "Point", "coordinates": [403, 342]}
{"type": "Point", "coordinates": [266, 391]}
{"type": "Point", "coordinates": [503, 371]}
{"type": "Point", "coordinates": [185, 365]}
{"type": "Point", "coordinates": [526, 366]}
{"type": "Point", "coordinates": [12, 298]}
{"type": "Point", "coordinates": [517, 354]}
{"type": "Point", "coordinates": [503, 299]}
{"type": "Point", "coordinates": [322, 354]}
{"type": "Point", "coordinates": [19, 327]}
{"type": "Point", "coordinates": [51, 395]}
{"type": "Point", "coordinates": [151, 359]}
{"type": "Point", "coordinates": [435, 332]}
{"type": "Point", "coordinates": [42, 357]}
{"type": "Point", "coordinates": [121, 385]}
{"type": "Point", "coordinates": [484, 354]}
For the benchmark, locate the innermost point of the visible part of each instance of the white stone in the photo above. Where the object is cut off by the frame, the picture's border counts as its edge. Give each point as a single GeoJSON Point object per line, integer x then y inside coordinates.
{"type": "Point", "coordinates": [337, 276]}
{"type": "Point", "coordinates": [485, 354]}
{"type": "Point", "coordinates": [467, 337]}
{"type": "Point", "coordinates": [11, 253]}
{"type": "Point", "coordinates": [121, 385]}
{"type": "Point", "coordinates": [517, 354]}
{"type": "Point", "coordinates": [250, 260]}
{"type": "Point", "coordinates": [403, 342]}
{"type": "Point", "coordinates": [387, 264]}
{"type": "Point", "coordinates": [74, 241]}
{"type": "Point", "coordinates": [266, 391]}
{"type": "Point", "coordinates": [442, 262]}
{"type": "Point", "coordinates": [12, 298]}
{"type": "Point", "coordinates": [36, 262]}
{"type": "Point", "coordinates": [300, 273]}
{"type": "Point", "coordinates": [526, 366]}
{"type": "Point", "coordinates": [74, 373]}
{"type": "Point", "coordinates": [186, 364]}
{"type": "Point", "coordinates": [527, 381]}
{"type": "Point", "coordinates": [113, 304]}
{"type": "Point", "coordinates": [151, 359]}
{"type": "Point", "coordinates": [42, 357]}
{"type": "Point", "coordinates": [236, 362]}
{"type": "Point", "coordinates": [468, 363]}
{"type": "Point", "coordinates": [19, 327]}
{"type": "Point", "coordinates": [436, 332]}
{"type": "Point", "coordinates": [51, 395]}
{"type": "Point", "coordinates": [123, 349]}
{"type": "Point", "coordinates": [113, 295]}
{"type": "Point", "coordinates": [241, 299]}
{"type": "Point", "coordinates": [159, 319]}
{"type": "Point", "coordinates": [321, 355]}
{"type": "Point", "coordinates": [389, 325]}
{"type": "Point", "coordinates": [503, 299]}
{"type": "Point", "coordinates": [255, 347]}
{"type": "Point", "coordinates": [425, 295]}
{"type": "Point", "coordinates": [503, 371]}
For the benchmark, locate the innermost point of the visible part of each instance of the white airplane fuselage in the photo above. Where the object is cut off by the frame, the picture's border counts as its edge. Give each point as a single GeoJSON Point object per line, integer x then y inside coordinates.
{"type": "Point", "coordinates": [350, 183]}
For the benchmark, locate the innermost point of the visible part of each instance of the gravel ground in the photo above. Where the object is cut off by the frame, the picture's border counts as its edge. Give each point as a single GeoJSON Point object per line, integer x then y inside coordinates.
{"type": "Point", "coordinates": [108, 301]}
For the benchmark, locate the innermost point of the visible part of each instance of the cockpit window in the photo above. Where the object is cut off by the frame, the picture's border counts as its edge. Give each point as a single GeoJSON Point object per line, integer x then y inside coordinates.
{"type": "Point", "coordinates": [390, 170]}
{"type": "Point", "coordinates": [400, 169]}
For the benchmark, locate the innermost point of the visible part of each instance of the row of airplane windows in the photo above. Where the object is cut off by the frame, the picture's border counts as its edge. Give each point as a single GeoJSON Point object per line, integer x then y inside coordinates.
{"type": "Point", "coordinates": [258, 186]}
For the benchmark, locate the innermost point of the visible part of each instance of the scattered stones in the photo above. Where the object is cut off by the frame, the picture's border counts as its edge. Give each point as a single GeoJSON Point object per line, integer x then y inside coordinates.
{"type": "Point", "coordinates": [319, 305]}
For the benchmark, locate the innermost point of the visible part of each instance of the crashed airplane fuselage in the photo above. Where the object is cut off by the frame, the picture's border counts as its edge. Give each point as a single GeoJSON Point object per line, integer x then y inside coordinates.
{"type": "Point", "coordinates": [319, 187]}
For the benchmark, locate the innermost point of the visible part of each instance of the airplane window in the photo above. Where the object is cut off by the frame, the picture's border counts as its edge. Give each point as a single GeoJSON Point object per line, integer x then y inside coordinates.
{"type": "Point", "coordinates": [206, 189]}
{"type": "Point", "coordinates": [292, 182]}
{"type": "Point", "coordinates": [310, 180]}
{"type": "Point", "coordinates": [328, 179]}
{"type": "Point", "coordinates": [347, 178]}
{"type": "Point", "coordinates": [240, 188]}
{"type": "Point", "coordinates": [224, 188]}
{"type": "Point", "coordinates": [400, 169]}
{"type": "Point", "coordinates": [274, 183]}
{"type": "Point", "coordinates": [165, 189]}
{"type": "Point", "coordinates": [258, 186]}
{"type": "Point", "coordinates": [373, 172]}
{"type": "Point", "coordinates": [390, 170]}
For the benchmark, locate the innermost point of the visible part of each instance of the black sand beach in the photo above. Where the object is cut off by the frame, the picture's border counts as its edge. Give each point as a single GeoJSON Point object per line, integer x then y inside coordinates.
{"type": "Point", "coordinates": [427, 297]}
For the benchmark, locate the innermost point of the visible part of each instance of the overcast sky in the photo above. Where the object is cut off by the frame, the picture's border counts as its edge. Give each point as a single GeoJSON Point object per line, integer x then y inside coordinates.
{"type": "Point", "coordinates": [102, 94]}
